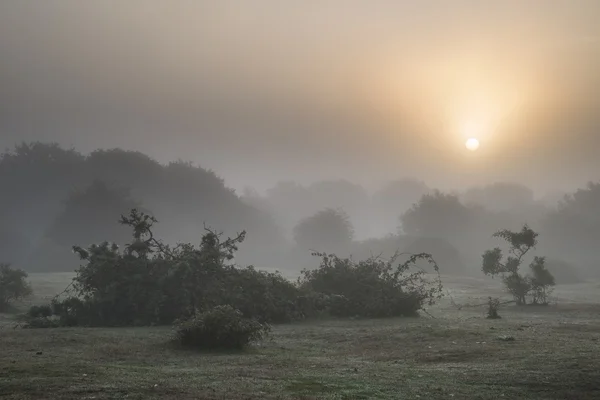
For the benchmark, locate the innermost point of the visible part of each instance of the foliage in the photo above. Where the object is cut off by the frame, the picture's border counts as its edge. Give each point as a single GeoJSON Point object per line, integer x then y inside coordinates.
{"type": "Point", "coordinates": [436, 215]}
{"type": "Point", "coordinates": [563, 272]}
{"type": "Point", "coordinates": [541, 281]}
{"type": "Point", "coordinates": [94, 207]}
{"type": "Point", "coordinates": [221, 327]}
{"type": "Point", "coordinates": [573, 227]}
{"type": "Point", "coordinates": [493, 306]}
{"type": "Point", "coordinates": [266, 296]}
{"type": "Point", "coordinates": [13, 286]}
{"type": "Point", "coordinates": [328, 228]}
{"type": "Point", "coordinates": [373, 287]}
{"type": "Point", "coordinates": [41, 323]}
{"type": "Point", "coordinates": [42, 217]}
{"type": "Point", "coordinates": [149, 282]}
{"type": "Point", "coordinates": [43, 311]}
{"type": "Point", "coordinates": [519, 285]}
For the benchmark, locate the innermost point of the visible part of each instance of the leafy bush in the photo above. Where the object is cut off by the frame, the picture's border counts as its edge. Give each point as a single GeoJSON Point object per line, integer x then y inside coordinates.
{"type": "Point", "coordinates": [374, 287]}
{"type": "Point", "coordinates": [39, 311]}
{"type": "Point", "coordinates": [541, 281]}
{"type": "Point", "coordinates": [222, 327]}
{"type": "Point", "coordinates": [493, 306]}
{"type": "Point", "coordinates": [13, 286]}
{"type": "Point", "coordinates": [41, 323]}
{"type": "Point", "coordinates": [149, 282]}
{"type": "Point", "coordinates": [268, 297]}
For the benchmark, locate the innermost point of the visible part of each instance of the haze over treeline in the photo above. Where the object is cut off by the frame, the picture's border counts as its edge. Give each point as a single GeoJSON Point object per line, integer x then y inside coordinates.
{"type": "Point", "coordinates": [265, 91]}
{"type": "Point", "coordinates": [55, 197]}
{"type": "Point", "coordinates": [330, 120]}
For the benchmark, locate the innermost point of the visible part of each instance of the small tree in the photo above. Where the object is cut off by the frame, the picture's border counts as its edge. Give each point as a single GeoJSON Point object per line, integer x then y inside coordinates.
{"type": "Point", "coordinates": [13, 286]}
{"type": "Point", "coordinates": [517, 284]}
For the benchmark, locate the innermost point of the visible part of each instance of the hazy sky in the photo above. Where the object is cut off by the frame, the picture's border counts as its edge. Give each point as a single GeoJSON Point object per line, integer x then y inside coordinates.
{"type": "Point", "coordinates": [267, 90]}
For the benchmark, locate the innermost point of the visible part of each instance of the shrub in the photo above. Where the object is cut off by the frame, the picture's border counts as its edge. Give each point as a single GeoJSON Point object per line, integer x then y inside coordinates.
{"type": "Point", "coordinates": [39, 311]}
{"type": "Point", "coordinates": [151, 283]}
{"type": "Point", "coordinates": [13, 286]}
{"type": "Point", "coordinates": [374, 287]}
{"type": "Point", "coordinates": [265, 296]}
{"type": "Point", "coordinates": [541, 281]}
{"type": "Point", "coordinates": [41, 323]}
{"type": "Point", "coordinates": [493, 306]}
{"type": "Point", "coordinates": [222, 327]}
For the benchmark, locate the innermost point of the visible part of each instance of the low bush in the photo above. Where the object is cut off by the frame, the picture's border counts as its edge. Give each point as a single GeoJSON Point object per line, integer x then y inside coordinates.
{"type": "Point", "coordinates": [374, 287]}
{"type": "Point", "coordinates": [150, 283]}
{"type": "Point", "coordinates": [493, 306]}
{"type": "Point", "coordinates": [222, 327]}
{"type": "Point", "coordinates": [41, 323]}
{"type": "Point", "coordinates": [39, 311]}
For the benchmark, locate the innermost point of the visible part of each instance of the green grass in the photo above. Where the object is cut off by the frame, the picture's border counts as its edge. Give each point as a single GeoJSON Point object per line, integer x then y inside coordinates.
{"type": "Point", "coordinates": [456, 355]}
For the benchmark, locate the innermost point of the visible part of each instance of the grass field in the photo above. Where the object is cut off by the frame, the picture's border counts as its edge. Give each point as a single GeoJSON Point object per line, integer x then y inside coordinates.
{"type": "Point", "coordinates": [449, 354]}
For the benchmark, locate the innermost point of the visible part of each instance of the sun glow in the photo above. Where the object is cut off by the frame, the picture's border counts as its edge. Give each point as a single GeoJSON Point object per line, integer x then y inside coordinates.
{"type": "Point", "coordinates": [472, 144]}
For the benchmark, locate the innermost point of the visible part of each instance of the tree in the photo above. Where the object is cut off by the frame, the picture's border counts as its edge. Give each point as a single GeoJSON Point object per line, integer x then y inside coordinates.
{"type": "Point", "coordinates": [516, 283]}
{"type": "Point", "coordinates": [342, 194]}
{"type": "Point", "coordinates": [13, 286]}
{"type": "Point", "coordinates": [290, 202]}
{"type": "Point", "coordinates": [437, 215]}
{"type": "Point", "coordinates": [34, 180]}
{"type": "Point", "coordinates": [329, 229]}
{"type": "Point", "coordinates": [572, 229]}
{"type": "Point", "coordinates": [88, 216]}
{"type": "Point", "coordinates": [38, 214]}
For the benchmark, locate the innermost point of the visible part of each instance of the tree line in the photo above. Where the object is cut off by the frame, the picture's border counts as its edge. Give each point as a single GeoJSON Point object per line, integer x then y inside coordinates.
{"type": "Point", "coordinates": [54, 197]}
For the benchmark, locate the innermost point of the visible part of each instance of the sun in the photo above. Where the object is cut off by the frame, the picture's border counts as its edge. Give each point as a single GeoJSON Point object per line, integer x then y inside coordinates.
{"type": "Point", "coordinates": [472, 144]}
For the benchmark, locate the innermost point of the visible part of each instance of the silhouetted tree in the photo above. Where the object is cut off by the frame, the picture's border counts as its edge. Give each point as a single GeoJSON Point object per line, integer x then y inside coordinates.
{"type": "Point", "coordinates": [36, 179]}
{"type": "Point", "coordinates": [329, 229]}
{"type": "Point", "coordinates": [516, 283]}
{"type": "Point", "coordinates": [572, 229]}
{"type": "Point", "coordinates": [437, 215]}
{"type": "Point", "coordinates": [88, 216]}
{"type": "Point", "coordinates": [13, 286]}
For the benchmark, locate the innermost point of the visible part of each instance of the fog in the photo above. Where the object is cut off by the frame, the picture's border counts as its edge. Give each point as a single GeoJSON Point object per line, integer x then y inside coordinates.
{"type": "Point", "coordinates": [300, 108]}
{"type": "Point", "coordinates": [263, 92]}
